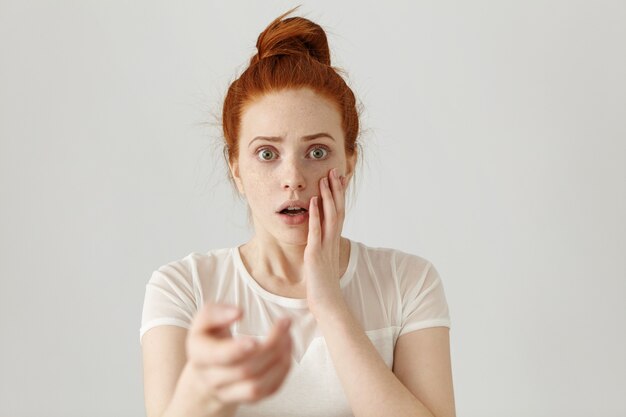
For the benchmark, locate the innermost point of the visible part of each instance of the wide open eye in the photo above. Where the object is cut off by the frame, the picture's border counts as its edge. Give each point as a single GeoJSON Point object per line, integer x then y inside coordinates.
{"type": "Point", "coordinates": [265, 154]}
{"type": "Point", "coordinates": [320, 152]}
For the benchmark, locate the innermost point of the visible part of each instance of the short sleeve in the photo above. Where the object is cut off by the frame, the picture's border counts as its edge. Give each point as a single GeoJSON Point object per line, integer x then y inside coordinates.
{"type": "Point", "coordinates": [169, 298]}
{"type": "Point", "coordinates": [424, 301]}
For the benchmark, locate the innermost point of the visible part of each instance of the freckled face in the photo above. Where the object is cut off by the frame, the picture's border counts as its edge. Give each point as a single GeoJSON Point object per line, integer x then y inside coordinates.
{"type": "Point", "coordinates": [270, 171]}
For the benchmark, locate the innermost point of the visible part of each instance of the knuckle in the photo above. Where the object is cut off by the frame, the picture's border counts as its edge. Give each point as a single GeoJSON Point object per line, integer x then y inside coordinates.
{"type": "Point", "coordinates": [254, 392]}
{"type": "Point", "coordinates": [274, 387]}
{"type": "Point", "coordinates": [286, 345]}
{"type": "Point", "coordinates": [211, 381]}
{"type": "Point", "coordinates": [243, 352]}
{"type": "Point", "coordinates": [226, 358]}
{"type": "Point", "coordinates": [286, 367]}
{"type": "Point", "coordinates": [219, 395]}
{"type": "Point", "coordinates": [245, 372]}
{"type": "Point", "coordinates": [229, 355]}
{"type": "Point", "coordinates": [284, 372]}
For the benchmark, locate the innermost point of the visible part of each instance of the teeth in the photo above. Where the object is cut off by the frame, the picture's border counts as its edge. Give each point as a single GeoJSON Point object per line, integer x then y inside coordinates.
{"type": "Point", "coordinates": [293, 209]}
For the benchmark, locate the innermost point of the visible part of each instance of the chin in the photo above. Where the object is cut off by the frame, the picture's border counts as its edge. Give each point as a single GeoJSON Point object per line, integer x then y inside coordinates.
{"type": "Point", "coordinates": [296, 237]}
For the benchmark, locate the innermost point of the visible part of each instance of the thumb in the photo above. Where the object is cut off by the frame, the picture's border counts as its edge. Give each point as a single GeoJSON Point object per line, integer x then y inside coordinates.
{"type": "Point", "coordinates": [216, 319]}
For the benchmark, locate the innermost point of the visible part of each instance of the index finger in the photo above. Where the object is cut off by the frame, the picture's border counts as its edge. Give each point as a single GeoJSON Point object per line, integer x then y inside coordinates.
{"type": "Point", "coordinates": [339, 193]}
{"type": "Point", "coordinates": [209, 351]}
{"type": "Point", "coordinates": [276, 335]}
{"type": "Point", "coordinates": [215, 319]}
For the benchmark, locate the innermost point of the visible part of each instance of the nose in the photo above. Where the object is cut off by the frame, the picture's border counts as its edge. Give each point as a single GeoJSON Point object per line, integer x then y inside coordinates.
{"type": "Point", "coordinates": [292, 176]}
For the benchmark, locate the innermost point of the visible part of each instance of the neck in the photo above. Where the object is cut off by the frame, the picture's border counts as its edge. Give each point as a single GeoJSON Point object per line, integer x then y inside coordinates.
{"type": "Point", "coordinates": [281, 262]}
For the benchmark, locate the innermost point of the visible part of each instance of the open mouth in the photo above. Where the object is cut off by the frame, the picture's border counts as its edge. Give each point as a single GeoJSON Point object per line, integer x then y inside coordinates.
{"type": "Point", "coordinates": [293, 211]}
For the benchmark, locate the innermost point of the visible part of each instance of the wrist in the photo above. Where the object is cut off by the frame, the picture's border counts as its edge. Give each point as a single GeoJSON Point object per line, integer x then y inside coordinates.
{"type": "Point", "coordinates": [328, 308]}
{"type": "Point", "coordinates": [192, 399]}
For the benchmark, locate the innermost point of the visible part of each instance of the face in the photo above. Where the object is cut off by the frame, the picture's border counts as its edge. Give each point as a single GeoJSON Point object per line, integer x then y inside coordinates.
{"type": "Point", "coordinates": [288, 141]}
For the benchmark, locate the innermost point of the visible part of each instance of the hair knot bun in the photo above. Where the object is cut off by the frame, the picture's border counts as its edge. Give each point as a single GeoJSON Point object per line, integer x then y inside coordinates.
{"type": "Point", "coordinates": [292, 36]}
{"type": "Point", "coordinates": [293, 53]}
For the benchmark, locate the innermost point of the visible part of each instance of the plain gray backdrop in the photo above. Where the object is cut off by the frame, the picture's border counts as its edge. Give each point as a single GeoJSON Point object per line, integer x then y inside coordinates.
{"type": "Point", "coordinates": [494, 146]}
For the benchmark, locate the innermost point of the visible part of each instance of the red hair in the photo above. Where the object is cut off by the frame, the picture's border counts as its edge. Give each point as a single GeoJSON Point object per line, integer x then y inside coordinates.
{"type": "Point", "coordinates": [292, 53]}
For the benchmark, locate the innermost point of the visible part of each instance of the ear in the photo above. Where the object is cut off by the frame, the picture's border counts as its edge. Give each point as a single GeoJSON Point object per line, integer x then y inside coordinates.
{"type": "Point", "coordinates": [234, 171]}
{"type": "Point", "coordinates": [350, 164]}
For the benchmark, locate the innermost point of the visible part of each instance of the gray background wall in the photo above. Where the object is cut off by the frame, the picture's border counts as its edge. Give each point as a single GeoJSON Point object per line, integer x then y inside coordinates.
{"type": "Point", "coordinates": [495, 147]}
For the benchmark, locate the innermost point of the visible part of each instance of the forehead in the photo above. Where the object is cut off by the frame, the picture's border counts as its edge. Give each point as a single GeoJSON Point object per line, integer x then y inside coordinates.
{"type": "Point", "coordinates": [290, 113]}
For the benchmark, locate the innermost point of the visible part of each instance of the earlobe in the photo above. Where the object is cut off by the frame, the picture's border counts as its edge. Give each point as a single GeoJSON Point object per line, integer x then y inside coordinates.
{"type": "Point", "coordinates": [350, 167]}
{"type": "Point", "coordinates": [234, 172]}
{"type": "Point", "coordinates": [239, 186]}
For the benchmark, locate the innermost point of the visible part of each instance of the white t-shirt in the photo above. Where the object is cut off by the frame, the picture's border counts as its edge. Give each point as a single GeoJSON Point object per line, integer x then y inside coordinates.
{"type": "Point", "coordinates": [390, 293]}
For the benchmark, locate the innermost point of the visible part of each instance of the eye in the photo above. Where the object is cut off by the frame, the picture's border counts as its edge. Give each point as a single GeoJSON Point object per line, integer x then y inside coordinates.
{"type": "Point", "coordinates": [265, 154]}
{"type": "Point", "coordinates": [319, 152]}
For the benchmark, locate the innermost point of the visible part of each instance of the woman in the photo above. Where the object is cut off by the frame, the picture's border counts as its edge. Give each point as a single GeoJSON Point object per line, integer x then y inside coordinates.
{"type": "Point", "coordinates": [299, 321]}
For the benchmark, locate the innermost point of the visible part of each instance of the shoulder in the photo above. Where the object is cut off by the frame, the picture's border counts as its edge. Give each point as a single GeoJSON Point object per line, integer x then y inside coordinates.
{"type": "Point", "coordinates": [191, 269]}
{"type": "Point", "coordinates": [399, 261]}
{"type": "Point", "coordinates": [406, 272]}
{"type": "Point", "coordinates": [176, 289]}
{"type": "Point", "coordinates": [194, 260]}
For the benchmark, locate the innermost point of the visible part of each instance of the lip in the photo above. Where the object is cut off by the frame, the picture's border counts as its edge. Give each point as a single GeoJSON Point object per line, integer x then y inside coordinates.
{"type": "Point", "coordinates": [293, 203]}
{"type": "Point", "coordinates": [294, 220]}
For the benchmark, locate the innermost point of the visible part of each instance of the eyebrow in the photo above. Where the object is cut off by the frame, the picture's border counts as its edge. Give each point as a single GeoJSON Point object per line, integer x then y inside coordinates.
{"type": "Point", "coordinates": [279, 139]}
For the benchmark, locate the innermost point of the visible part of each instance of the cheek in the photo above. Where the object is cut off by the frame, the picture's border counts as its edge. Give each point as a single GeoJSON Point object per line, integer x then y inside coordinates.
{"type": "Point", "coordinates": [259, 182]}
{"type": "Point", "coordinates": [255, 184]}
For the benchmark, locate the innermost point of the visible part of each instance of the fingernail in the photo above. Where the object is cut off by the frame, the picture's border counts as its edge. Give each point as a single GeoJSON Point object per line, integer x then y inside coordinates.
{"type": "Point", "coordinates": [334, 171]}
{"type": "Point", "coordinates": [325, 181]}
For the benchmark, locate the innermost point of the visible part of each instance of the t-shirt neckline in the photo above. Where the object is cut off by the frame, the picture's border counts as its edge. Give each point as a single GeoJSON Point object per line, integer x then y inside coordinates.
{"type": "Point", "coordinates": [286, 301]}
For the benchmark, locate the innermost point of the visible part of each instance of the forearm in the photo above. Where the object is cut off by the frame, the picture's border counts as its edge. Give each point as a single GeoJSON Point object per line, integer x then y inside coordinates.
{"type": "Point", "coordinates": [189, 401]}
{"type": "Point", "coordinates": [371, 387]}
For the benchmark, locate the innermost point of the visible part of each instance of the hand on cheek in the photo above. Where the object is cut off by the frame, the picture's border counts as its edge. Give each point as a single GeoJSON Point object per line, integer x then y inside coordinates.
{"type": "Point", "coordinates": [321, 256]}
